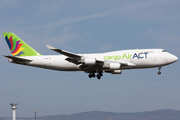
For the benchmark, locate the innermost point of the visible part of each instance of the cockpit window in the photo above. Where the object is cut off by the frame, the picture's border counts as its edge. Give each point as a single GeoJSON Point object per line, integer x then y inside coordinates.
{"type": "Point", "coordinates": [163, 50]}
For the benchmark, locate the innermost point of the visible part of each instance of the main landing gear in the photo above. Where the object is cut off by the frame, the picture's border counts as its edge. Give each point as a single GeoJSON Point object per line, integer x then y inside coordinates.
{"type": "Point", "coordinates": [91, 75]}
{"type": "Point", "coordinates": [159, 72]}
{"type": "Point", "coordinates": [99, 75]}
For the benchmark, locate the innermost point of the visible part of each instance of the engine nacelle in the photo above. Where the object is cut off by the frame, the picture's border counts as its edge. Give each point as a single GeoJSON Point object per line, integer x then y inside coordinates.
{"type": "Point", "coordinates": [89, 61]}
{"type": "Point", "coordinates": [116, 72]}
{"type": "Point", "coordinates": [114, 66]}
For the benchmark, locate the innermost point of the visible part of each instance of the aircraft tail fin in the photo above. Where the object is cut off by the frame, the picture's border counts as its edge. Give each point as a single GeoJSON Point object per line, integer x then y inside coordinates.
{"type": "Point", "coordinates": [18, 47]}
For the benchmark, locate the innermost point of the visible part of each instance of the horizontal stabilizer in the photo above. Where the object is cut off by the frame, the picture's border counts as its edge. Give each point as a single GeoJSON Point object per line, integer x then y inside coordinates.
{"type": "Point", "coordinates": [68, 54]}
{"type": "Point", "coordinates": [17, 58]}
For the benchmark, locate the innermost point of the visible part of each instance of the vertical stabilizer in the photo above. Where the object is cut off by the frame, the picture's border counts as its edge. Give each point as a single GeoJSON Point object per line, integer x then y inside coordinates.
{"type": "Point", "coordinates": [18, 47]}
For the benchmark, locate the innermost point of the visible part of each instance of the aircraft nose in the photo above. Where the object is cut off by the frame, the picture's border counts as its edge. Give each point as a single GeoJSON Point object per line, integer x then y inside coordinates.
{"type": "Point", "coordinates": [173, 58]}
{"type": "Point", "coordinates": [176, 58]}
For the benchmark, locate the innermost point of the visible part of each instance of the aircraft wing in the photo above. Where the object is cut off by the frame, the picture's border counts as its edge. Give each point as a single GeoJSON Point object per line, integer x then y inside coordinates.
{"type": "Point", "coordinates": [74, 58]}
{"type": "Point", "coordinates": [68, 54]}
{"type": "Point", "coordinates": [17, 58]}
{"type": "Point", "coordinates": [94, 64]}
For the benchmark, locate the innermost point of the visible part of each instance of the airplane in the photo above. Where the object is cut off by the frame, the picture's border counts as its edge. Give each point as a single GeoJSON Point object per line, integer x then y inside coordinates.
{"type": "Point", "coordinates": [93, 64]}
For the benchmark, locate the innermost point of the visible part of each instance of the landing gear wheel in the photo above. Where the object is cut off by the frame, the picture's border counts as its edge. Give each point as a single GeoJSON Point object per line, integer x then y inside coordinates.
{"type": "Point", "coordinates": [90, 75]}
{"type": "Point", "coordinates": [98, 76]}
{"type": "Point", "coordinates": [159, 72]}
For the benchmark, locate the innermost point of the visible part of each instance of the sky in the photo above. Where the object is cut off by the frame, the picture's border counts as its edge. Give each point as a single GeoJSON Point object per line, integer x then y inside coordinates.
{"type": "Point", "coordinates": [92, 26]}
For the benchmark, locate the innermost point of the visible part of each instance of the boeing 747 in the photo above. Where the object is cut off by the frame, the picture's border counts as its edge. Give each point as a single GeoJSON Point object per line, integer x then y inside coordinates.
{"type": "Point", "coordinates": [93, 64]}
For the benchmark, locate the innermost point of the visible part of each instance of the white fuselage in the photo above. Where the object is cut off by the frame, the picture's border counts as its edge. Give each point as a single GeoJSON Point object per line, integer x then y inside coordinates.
{"type": "Point", "coordinates": [140, 58]}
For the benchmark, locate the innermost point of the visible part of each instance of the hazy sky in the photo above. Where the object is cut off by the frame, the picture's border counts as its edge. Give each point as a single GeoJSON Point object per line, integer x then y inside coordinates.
{"type": "Point", "coordinates": [81, 26]}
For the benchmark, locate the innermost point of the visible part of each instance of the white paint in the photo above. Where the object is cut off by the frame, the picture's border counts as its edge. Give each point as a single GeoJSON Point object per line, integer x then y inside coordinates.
{"type": "Point", "coordinates": [155, 58]}
{"type": "Point", "coordinates": [13, 107]}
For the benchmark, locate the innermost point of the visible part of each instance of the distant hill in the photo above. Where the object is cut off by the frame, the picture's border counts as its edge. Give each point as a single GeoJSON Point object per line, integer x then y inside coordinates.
{"type": "Point", "coordinates": [164, 114]}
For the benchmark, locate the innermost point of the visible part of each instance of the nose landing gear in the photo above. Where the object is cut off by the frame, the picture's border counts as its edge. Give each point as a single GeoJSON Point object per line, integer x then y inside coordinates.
{"type": "Point", "coordinates": [159, 72]}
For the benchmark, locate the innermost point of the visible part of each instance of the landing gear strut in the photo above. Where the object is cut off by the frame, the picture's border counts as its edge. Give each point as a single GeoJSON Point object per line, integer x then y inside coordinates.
{"type": "Point", "coordinates": [99, 75]}
{"type": "Point", "coordinates": [159, 72]}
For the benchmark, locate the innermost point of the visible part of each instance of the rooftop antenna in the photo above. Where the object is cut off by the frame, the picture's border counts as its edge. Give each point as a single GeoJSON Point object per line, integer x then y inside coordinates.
{"type": "Point", "coordinates": [13, 107]}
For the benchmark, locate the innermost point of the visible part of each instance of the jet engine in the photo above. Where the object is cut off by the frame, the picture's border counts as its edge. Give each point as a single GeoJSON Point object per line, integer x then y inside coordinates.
{"type": "Point", "coordinates": [89, 61]}
{"type": "Point", "coordinates": [116, 72]}
{"type": "Point", "coordinates": [114, 66]}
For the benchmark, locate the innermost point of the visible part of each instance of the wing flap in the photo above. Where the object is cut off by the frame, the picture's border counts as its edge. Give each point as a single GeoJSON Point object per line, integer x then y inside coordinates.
{"type": "Point", "coordinates": [126, 63]}
{"type": "Point", "coordinates": [73, 61]}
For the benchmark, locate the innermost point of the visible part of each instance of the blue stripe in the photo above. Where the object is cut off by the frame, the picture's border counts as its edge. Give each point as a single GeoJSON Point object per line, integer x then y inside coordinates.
{"type": "Point", "coordinates": [8, 42]}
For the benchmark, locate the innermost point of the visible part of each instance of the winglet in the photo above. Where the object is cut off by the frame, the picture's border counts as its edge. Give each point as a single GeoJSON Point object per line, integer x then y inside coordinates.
{"type": "Point", "coordinates": [50, 47]}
